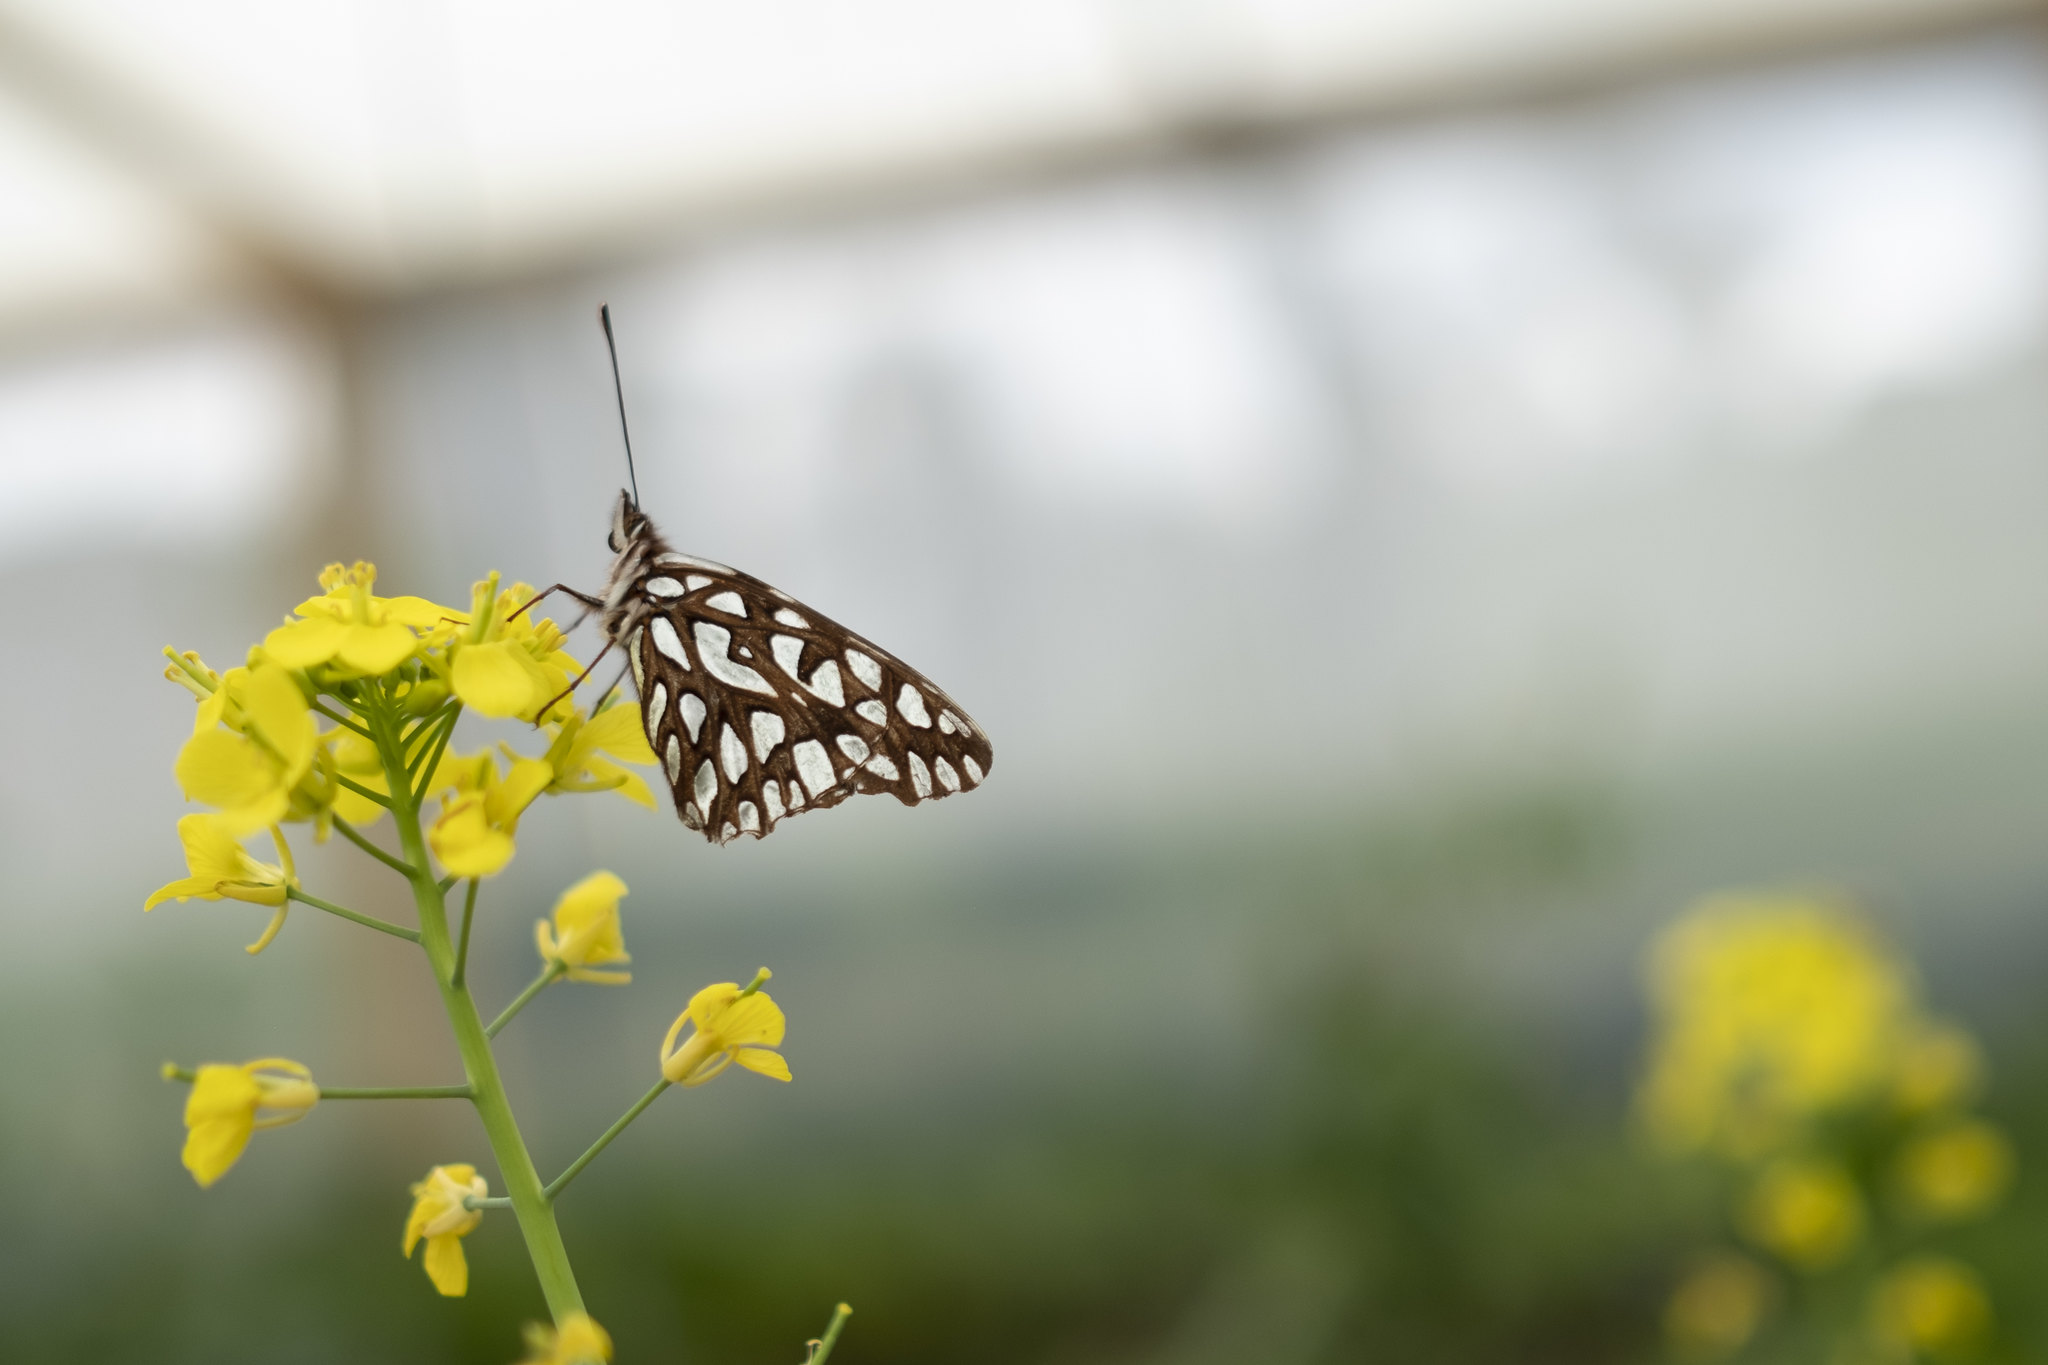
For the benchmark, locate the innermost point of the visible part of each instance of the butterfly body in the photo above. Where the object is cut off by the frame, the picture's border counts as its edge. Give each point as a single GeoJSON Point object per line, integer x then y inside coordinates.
{"type": "Point", "coordinates": [758, 707]}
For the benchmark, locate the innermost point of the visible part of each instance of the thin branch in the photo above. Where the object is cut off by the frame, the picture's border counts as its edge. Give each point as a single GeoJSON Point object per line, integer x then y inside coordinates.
{"type": "Point", "coordinates": [173, 1072]}
{"type": "Point", "coordinates": [549, 975]}
{"type": "Point", "coordinates": [382, 926]}
{"type": "Point", "coordinates": [821, 1349]}
{"type": "Point", "coordinates": [343, 721]}
{"type": "Point", "coordinates": [367, 793]}
{"type": "Point", "coordinates": [361, 841]}
{"type": "Point", "coordinates": [417, 783]}
{"type": "Point", "coordinates": [494, 1202]}
{"type": "Point", "coordinates": [441, 722]}
{"type": "Point", "coordinates": [576, 1166]}
{"type": "Point", "coordinates": [462, 948]}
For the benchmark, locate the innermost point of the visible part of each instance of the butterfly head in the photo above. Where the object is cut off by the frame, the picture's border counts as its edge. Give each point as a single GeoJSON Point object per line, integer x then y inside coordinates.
{"type": "Point", "coordinates": [629, 523]}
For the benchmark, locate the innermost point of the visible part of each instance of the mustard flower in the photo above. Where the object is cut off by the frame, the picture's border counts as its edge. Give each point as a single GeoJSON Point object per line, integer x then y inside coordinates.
{"type": "Point", "coordinates": [578, 1341]}
{"type": "Point", "coordinates": [351, 629]}
{"type": "Point", "coordinates": [1717, 1308]}
{"type": "Point", "coordinates": [504, 665]}
{"type": "Point", "coordinates": [1932, 1305]}
{"type": "Point", "coordinates": [585, 933]}
{"type": "Point", "coordinates": [1957, 1171]}
{"type": "Point", "coordinates": [223, 870]}
{"type": "Point", "coordinates": [1938, 1067]}
{"type": "Point", "coordinates": [254, 740]}
{"type": "Point", "coordinates": [578, 741]}
{"type": "Point", "coordinates": [473, 836]}
{"type": "Point", "coordinates": [228, 1103]}
{"type": "Point", "coordinates": [357, 759]}
{"type": "Point", "coordinates": [440, 1215]}
{"type": "Point", "coordinates": [1806, 1211]}
{"type": "Point", "coordinates": [729, 1026]}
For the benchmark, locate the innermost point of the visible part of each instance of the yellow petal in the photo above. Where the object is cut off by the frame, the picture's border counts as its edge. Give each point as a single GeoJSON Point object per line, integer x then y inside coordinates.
{"type": "Point", "coordinates": [446, 1266]}
{"type": "Point", "coordinates": [376, 649]}
{"type": "Point", "coordinates": [629, 785]}
{"type": "Point", "coordinates": [303, 644]}
{"type": "Point", "coordinates": [212, 852]}
{"type": "Point", "coordinates": [753, 1020]}
{"type": "Point", "coordinates": [279, 713]}
{"type": "Point", "coordinates": [220, 1114]}
{"type": "Point", "coordinates": [183, 889]}
{"type": "Point", "coordinates": [224, 769]}
{"type": "Point", "coordinates": [616, 731]}
{"type": "Point", "coordinates": [421, 614]}
{"type": "Point", "coordinates": [466, 843]}
{"type": "Point", "coordinates": [498, 679]}
{"type": "Point", "coordinates": [528, 779]}
{"type": "Point", "coordinates": [762, 1060]}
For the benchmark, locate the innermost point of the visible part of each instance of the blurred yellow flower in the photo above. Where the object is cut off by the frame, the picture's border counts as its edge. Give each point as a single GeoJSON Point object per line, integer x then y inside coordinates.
{"type": "Point", "coordinates": [502, 665]}
{"type": "Point", "coordinates": [1938, 1067]}
{"type": "Point", "coordinates": [228, 1103]}
{"type": "Point", "coordinates": [473, 836]}
{"type": "Point", "coordinates": [578, 741]}
{"type": "Point", "coordinates": [223, 870]}
{"type": "Point", "coordinates": [249, 768]}
{"type": "Point", "coordinates": [1717, 1308]}
{"type": "Point", "coordinates": [730, 1026]}
{"type": "Point", "coordinates": [357, 759]}
{"type": "Point", "coordinates": [1956, 1171]}
{"type": "Point", "coordinates": [1770, 1010]}
{"type": "Point", "coordinates": [585, 933]}
{"type": "Point", "coordinates": [439, 1215]}
{"type": "Point", "coordinates": [1931, 1304]}
{"type": "Point", "coordinates": [351, 627]}
{"type": "Point", "coordinates": [578, 1341]}
{"type": "Point", "coordinates": [1806, 1211]}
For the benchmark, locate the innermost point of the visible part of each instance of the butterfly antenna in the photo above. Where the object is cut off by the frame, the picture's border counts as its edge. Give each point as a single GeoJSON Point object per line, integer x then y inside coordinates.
{"type": "Point", "coordinates": [604, 316]}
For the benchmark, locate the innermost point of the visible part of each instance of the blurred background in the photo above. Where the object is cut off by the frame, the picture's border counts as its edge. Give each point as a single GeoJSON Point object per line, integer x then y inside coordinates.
{"type": "Point", "coordinates": [1418, 494]}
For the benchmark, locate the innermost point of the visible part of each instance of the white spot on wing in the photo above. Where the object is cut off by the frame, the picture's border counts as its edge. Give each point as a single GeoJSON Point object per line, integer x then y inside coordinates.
{"type": "Point", "coordinates": [673, 761]}
{"type": "Point", "coordinates": [853, 746]}
{"type": "Point", "coordinates": [825, 683]}
{"type": "Point", "coordinates": [882, 766]}
{"type": "Point", "coordinates": [791, 618]}
{"type": "Point", "coordinates": [768, 732]}
{"type": "Point", "coordinates": [865, 668]}
{"type": "Point", "coordinates": [696, 582]}
{"type": "Point", "coordinates": [750, 818]}
{"type": "Point", "coordinates": [705, 787]}
{"type": "Point", "coordinates": [633, 657]}
{"type": "Point", "coordinates": [948, 779]}
{"type": "Point", "coordinates": [691, 707]}
{"type": "Point", "coordinates": [910, 702]}
{"type": "Point", "coordinates": [714, 647]}
{"type": "Point", "coordinates": [796, 795]}
{"type": "Point", "coordinates": [948, 724]}
{"type": "Point", "coordinates": [788, 652]}
{"type": "Point", "coordinates": [920, 777]}
{"type": "Point", "coordinates": [731, 753]}
{"type": "Point", "coordinates": [668, 642]}
{"type": "Point", "coordinates": [657, 706]}
{"type": "Point", "coordinates": [873, 712]}
{"type": "Point", "coordinates": [691, 816]}
{"type": "Point", "coordinates": [727, 602]}
{"type": "Point", "coordinates": [771, 794]}
{"type": "Point", "coordinates": [973, 770]}
{"type": "Point", "coordinates": [725, 835]}
{"type": "Point", "coordinates": [813, 766]}
{"type": "Point", "coordinates": [664, 587]}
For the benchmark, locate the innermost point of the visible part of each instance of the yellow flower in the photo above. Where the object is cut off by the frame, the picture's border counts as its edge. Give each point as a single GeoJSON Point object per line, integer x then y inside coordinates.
{"type": "Point", "coordinates": [578, 741]}
{"type": "Point", "coordinates": [502, 665]}
{"type": "Point", "coordinates": [578, 1341]}
{"type": "Point", "coordinates": [1939, 1066]}
{"type": "Point", "coordinates": [1717, 1308]}
{"type": "Point", "coordinates": [250, 768]}
{"type": "Point", "coordinates": [438, 1214]}
{"type": "Point", "coordinates": [350, 627]}
{"type": "Point", "coordinates": [473, 837]}
{"type": "Point", "coordinates": [1771, 1011]}
{"type": "Point", "coordinates": [222, 869]}
{"type": "Point", "coordinates": [585, 933]}
{"type": "Point", "coordinates": [228, 1103]}
{"type": "Point", "coordinates": [357, 759]}
{"type": "Point", "coordinates": [730, 1026]}
{"type": "Point", "coordinates": [1806, 1211]}
{"type": "Point", "coordinates": [1931, 1304]}
{"type": "Point", "coordinates": [1957, 1171]}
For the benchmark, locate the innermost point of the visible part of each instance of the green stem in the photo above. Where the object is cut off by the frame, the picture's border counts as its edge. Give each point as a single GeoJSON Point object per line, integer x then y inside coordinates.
{"type": "Point", "coordinates": [515, 1164]}
{"type": "Point", "coordinates": [381, 926]}
{"type": "Point", "coordinates": [433, 760]}
{"type": "Point", "coordinates": [367, 793]}
{"type": "Point", "coordinates": [462, 947]}
{"type": "Point", "coordinates": [362, 841]}
{"type": "Point", "coordinates": [394, 1092]}
{"type": "Point", "coordinates": [822, 1347]}
{"type": "Point", "coordinates": [540, 983]}
{"type": "Point", "coordinates": [576, 1167]}
{"type": "Point", "coordinates": [341, 720]}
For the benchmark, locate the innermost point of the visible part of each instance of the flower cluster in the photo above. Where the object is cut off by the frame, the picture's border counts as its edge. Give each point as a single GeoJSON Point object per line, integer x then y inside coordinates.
{"type": "Point", "coordinates": [1792, 1049]}
{"type": "Point", "coordinates": [391, 677]}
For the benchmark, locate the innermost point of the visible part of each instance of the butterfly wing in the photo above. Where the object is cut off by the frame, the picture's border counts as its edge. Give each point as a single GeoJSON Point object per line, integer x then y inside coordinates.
{"type": "Point", "coordinates": [760, 707]}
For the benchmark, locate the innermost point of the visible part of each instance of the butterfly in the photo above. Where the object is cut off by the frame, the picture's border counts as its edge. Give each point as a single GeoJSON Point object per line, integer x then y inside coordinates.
{"type": "Point", "coordinates": [757, 706]}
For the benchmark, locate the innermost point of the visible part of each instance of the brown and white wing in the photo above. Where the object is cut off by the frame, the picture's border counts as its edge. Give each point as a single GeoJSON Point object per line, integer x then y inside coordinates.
{"type": "Point", "coordinates": [760, 707]}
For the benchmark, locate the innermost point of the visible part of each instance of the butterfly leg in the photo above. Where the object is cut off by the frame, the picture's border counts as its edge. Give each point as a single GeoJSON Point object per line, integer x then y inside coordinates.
{"type": "Point", "coordinates": [589, 602]}
{"type": "Point", "coordinates": [574, 685]}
